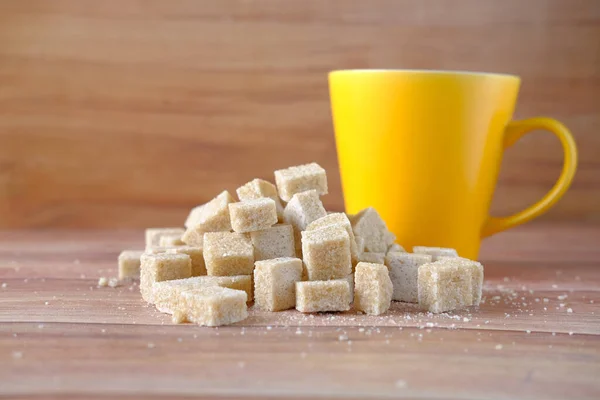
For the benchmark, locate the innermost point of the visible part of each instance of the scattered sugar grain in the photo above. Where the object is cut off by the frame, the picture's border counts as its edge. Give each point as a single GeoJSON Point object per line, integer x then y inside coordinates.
{"type": "Point", "coordinates": [103, 281]}
{"type": "Point", "coordinates": [570, 310]}
{"type": "Point", "coordinates": [47, 303]}
{"type": "Point", "coordinates": [498, 347]}
{"type": "Point", "coordinates": [400, 383]}
{"type": "Point", "coordinates": [151, 345]}
{"type": "Point", "coordinates": [342, 337]}
{"type": "Point", "coordinates": [17, 355]}
{"type": "Point", "coordinates": [4, 285]}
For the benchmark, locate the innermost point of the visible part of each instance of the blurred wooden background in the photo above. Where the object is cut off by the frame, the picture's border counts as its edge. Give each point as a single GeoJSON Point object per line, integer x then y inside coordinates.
{"type": "Point", "coordinates": [127, 113]}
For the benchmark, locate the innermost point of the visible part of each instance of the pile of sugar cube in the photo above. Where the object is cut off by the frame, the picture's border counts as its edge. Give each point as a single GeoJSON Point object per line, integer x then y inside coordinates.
{"type": "Point", "coordinates": [279, 248]}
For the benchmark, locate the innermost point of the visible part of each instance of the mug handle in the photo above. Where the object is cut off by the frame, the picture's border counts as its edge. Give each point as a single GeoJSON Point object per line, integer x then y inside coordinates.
{"type": "Point", "coordinates": [514, 131]}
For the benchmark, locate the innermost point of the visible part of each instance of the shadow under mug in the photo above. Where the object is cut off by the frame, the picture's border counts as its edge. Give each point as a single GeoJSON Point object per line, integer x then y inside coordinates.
{"type": "Point", "coordinates": [424, 148]}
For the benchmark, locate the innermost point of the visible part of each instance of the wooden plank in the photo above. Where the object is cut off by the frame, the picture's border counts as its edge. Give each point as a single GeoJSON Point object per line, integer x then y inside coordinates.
{"type": "Point", "coordinates": [127, 114]}
{"type": "Point", "coordinates": [502, 308]}
{"type": "Point", "coordinates": [379, 363]}
{"type": "Point", "coordinates": [535, 335]}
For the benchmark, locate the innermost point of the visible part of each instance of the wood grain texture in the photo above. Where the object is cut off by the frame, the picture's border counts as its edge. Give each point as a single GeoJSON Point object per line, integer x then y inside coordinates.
{"type": "Point", "coordinates": [90, 342]}
{"type": "Point", "coordinates": [128, 113]}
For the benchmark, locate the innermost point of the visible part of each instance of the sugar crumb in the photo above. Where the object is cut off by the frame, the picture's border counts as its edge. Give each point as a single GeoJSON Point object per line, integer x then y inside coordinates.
{"type": "Point", "coordinates": [4, 285]}
{"type": "Point", "coordinates": [570, 310]}
{"type": "Point", "coordinates": [498, 347]}
{"type": "Point", "coordinates": [151, 345]}
{"type": "Point", "coordinates": [17, 355]}
{"type": "Point", "coordinates": [103, 281]}
{"type": "Point", "coordinates": [113, 282]}
{"type": "Point", "coordinates": [342, 337]}
{"type": "Point", "coordinates": [400, 383]}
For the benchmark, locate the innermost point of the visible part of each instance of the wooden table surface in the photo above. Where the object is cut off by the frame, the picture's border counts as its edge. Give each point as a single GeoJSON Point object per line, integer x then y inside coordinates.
{"type": "Point", "coordinates": [536, 335]}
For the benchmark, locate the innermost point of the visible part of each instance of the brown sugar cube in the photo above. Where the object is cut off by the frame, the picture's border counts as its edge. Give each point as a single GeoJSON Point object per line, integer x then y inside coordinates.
{"type": "Point", "coordinates": [171, 240]}
{"type": "Point", "coordinates": [228, 254]}
{"type": "Point", "coordinates": [404, 273]}
{"type": "Point", "coordinates": [444, 286]}
{"type": "Point", "coordinates": [165, 293]}
{"type": "Point", "coordinates": [369, 225]}
{"type": "Point", "coordinates": [372, 288]}
{"type": "Point", "coordinates": [299, 179]}
{"type": "Point", "coordinates": [258, 188]}
{"type": "Point", "coordinates": [237, 282]}
{"type": "Point", "coordinates": [377, 258]}
{"type": "Point", "coordinates": [395, 248]}
{"type": "Point", "coordinates": [213, 217]}
{"type": "Point", "coordinates": [129, 264]}
{"type": "Point", "coordinates": [159, 249]}
{"type": "Point", "coordinates": [435, 252]}
{"type": "Point", "coordinates": [252, 215]}
{"type": "Point", "coordinates": [476, 275]}
{"type": "Point", "coordinates": [275, 283]}
{"type": "Point", "coordinates": [193, 217]}
{"type": "Point", "coordinates": [360, 245]}
{"type": "Point", "coordinates": [162, 267]}
{"type": "Point", "coordinates": [318, 296]}
{"type": "Point", "coordinates": [303, 209]}
{"type": "Point", "coordinates": [213, 306]}
{"type": "Point", "coordinates": [153, 235]}
{"type": "Point", "coordinates": [350, 279]}
{"type": "Point", "coordinates": [274, 242]}
{"type": "Point", "coordinates": [337, 219]}
{"type": "Point", "coordinates": [326, 253]}
{"type": "Point", "coordinates": [196, 255]}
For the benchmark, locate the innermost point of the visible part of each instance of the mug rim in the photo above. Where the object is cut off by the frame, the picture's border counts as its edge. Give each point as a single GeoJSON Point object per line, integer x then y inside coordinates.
{"type": "Point", "coordinates": [423, 72]}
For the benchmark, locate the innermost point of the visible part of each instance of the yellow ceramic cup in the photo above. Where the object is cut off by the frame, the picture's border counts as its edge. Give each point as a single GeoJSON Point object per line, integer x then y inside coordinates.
{"type": "Point", "coordinates": [425, 147]}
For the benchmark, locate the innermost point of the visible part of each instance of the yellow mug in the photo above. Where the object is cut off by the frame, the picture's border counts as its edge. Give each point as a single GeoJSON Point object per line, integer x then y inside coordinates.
{"type": "Point", "coordinates": [424, 149]}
